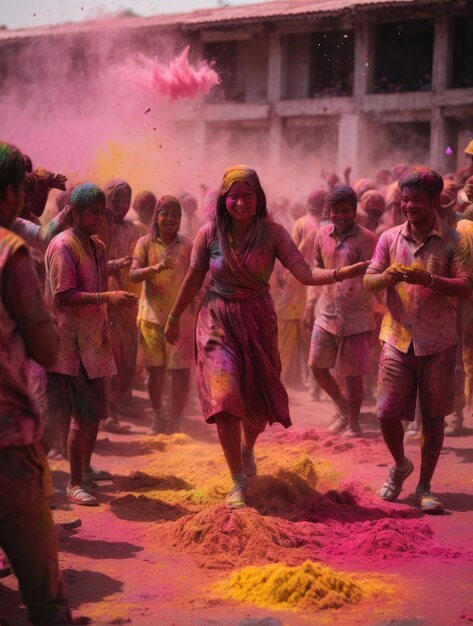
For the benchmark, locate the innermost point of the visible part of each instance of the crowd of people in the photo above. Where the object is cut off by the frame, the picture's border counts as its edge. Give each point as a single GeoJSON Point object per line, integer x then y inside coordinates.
{"type": "Point", "coordinates": [367, 293]}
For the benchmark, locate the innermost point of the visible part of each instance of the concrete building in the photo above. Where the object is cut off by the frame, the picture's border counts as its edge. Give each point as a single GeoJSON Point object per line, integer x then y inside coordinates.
{"type": "Point", "coordinates": [356, 80]}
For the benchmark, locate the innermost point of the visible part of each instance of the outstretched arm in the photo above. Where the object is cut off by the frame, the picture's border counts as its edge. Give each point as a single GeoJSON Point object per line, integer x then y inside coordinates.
{"type": "Point", "coordinates": [190, 287]}
{"type": "Point", "coordinates": [308, 275]}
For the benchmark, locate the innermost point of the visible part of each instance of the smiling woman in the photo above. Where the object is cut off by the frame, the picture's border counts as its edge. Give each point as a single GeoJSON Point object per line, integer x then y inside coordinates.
{"type": "Point", "coordinates": [237, 360]}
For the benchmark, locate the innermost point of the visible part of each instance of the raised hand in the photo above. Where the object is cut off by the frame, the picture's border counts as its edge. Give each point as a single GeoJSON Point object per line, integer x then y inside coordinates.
{"type": "Point", "coordinates": [352, 271]}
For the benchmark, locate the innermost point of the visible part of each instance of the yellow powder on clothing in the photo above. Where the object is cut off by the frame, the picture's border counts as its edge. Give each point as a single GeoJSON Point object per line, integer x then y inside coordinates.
{"type": "Point", "coordinates": [307, 586]}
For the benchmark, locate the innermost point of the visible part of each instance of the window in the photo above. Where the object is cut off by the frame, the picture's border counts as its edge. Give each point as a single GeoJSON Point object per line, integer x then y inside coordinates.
{"type": "Point", "coordinates": [331, 64]}
{"type": "Point", "coordinates": [462, 43]}
{"type": "Point", "coordinates": [403, 56]}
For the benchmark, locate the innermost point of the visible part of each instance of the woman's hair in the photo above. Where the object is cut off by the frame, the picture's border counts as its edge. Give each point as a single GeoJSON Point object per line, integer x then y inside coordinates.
{"type": "Point", "coordinates": [427, 180]}
{"type": "Point", "coordinates": [12, 167]}
{"type": "Point", "coordinates": [238, 174]}
{"type": "Point", "coordinates": [161, 204]}
{"type": "Point", "coordinates": [84, 195]}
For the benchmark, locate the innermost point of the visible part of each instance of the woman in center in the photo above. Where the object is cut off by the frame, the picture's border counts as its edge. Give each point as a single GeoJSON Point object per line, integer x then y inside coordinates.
{"type": "Point", "coordinates": [236, 351]}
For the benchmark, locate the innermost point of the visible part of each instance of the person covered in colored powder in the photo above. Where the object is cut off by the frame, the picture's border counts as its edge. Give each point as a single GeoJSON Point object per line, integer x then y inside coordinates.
{"type": "Point", "coordinates": [120, 237]}
{"type": "Point", "coordinates": [423, 264]}
{"type": "Point", "coordinates": [341, 334]}
{"type": "Point", "coordinates": [27, 532]}
{"type": "Point", "coordinates": [161, 259]}
{"type": "Point", "coordinates": [237, 361]}
{"type": "Point", "coordinates": [76, 266]}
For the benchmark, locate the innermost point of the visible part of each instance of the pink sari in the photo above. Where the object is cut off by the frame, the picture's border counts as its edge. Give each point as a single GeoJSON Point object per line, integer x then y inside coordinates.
{"type": "Point", "coordinates": [237, 360]}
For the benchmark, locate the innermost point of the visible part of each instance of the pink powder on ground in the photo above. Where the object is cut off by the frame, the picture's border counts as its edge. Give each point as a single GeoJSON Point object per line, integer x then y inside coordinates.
{"type": "Point", "coordinates": [175, 81]}
{"type": "Point", "coordinates": [383, 541]}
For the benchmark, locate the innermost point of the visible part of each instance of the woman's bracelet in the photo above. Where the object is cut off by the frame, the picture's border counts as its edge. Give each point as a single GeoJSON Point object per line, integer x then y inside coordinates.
{"type": "Point", "coordinates": [172, 319]}
{"type": "Point", "coordinates": [430, 284]}
{"type": "Point", "coordinates": [98, 297]}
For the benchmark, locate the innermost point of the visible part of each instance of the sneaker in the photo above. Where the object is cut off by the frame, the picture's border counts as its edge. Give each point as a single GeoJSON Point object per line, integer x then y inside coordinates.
{"type": "Point", "coordinates": [338, 425]}
{"type": "Point", "coordinates": [393, 485]}
{"type": "Point", "coordinates": [426, 501]}
{"type": "Point", "coordinates": [248, 462]}
{"type": "Point", "coordinates": [353, 430]}
{"type": "Point", "coordinates": [236, 499]}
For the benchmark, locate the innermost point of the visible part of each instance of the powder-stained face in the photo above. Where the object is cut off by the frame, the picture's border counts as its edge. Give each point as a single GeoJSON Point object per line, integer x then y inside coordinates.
{"type": "Point", "coordinates": [417, 206]}
{"type": "Point", "coordinates": [169, 220]}
{"type": "Point", "coordinates": [343, 216]}
{"type": "Point", "coordinates": [119, 204]}
{"type": "Point", "coordinates": [91, 219]}
{"type": "Point", "coordinates": [241, 203]}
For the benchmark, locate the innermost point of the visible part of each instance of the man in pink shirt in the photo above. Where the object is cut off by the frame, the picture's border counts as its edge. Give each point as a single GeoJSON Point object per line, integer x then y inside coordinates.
{"type": "Point", "coordinates": [344, 324]}
{"type": "Point", "coordinates": [27, 533]}
{"type": "Point", "coordinates": [424, 265]}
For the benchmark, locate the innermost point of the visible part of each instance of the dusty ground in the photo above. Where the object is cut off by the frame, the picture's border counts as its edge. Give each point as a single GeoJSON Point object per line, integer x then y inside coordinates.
{"type": "Point", "coordinates": [138, 559]}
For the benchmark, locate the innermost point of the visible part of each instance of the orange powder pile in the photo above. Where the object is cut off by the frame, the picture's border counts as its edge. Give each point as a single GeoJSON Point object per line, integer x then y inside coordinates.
{"type": "Point", "coordinates": [308, 586]}
{"type": "Point", "coordinates": [219, 537]}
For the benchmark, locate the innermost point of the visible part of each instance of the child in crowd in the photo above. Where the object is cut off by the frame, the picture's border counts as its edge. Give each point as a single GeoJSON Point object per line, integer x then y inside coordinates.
{"type": "Point", "coordinates": [76, 266]}
{"type": "Point", "coordinates": [161, 260]}
{"type": "Point", "coordinates": [120, 237]}
{"type": "Point", "coordinates": [342, 330]}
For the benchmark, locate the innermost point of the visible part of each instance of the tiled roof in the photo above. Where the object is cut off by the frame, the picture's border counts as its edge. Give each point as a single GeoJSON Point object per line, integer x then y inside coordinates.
{"type": "Point", "coordinates": [278, 10]}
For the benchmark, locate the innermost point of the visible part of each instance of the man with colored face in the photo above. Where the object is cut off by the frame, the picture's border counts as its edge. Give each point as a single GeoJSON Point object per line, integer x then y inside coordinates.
{"type": "Point", "coordinates": [423, 264]}
{"type": "Point", "coordinates": [120, 237]}
{"type": "Point", "coordinates": [76, 284]}
{"type": "Point", "coordinates": [27, 533]}
{"type": "Point", "coordinates": [344, 324]}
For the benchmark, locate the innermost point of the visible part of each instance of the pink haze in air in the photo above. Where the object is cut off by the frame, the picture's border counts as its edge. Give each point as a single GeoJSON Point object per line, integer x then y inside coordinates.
{"type": "Point", "coordinates": [177, 80]}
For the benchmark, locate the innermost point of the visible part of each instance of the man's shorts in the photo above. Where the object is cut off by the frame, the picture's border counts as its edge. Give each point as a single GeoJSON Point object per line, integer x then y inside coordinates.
{"type": "Point", "coordinates": [75, 402]}
{"type": "Point", "coordinates": [350, 356]}
{"type": "Point", "coordinates": [158, 353]}
{"type": "Point", "coordinates": [401, 376]}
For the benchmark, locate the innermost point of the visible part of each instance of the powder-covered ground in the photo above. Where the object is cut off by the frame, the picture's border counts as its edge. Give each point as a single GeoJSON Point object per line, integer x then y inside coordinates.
{"type": "Point", "coordinates": [162, 545]}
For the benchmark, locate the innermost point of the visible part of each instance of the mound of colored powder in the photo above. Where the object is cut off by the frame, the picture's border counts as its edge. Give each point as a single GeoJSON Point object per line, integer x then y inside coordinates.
{"type": "Point", "coordinates": [350, 503]}
{"type": "Point", "coordinates": [175, 81]}
{"type": "Point", "coordinates": [141, 481]}
{"type": "Point", "coordinates": [308, 586]}
{"type": "Point", "coordinates": [384, 540]}
{"type": "Point", "coordinates": [145, 509]}
{"type": "Point", "coordinates": [220, 537]}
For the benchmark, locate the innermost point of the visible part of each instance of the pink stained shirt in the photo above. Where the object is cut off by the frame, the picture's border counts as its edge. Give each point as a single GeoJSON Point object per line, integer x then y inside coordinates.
{"type": "Point", "coordinates": [416, 314]}
{"type": "Point", "coordinates": [20, 421]}
{"type": "Point", "coordinates": [344, 308]}
{"type": "Point", "coordinates": [83, 330]}
{"type": "Point", "coordinates": [160, 291]}
{"type": "Point", "coordinates": [246, 273]}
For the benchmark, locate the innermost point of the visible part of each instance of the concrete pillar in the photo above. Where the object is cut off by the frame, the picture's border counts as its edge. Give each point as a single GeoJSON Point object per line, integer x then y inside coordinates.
{"type": "Point", "coordinates": [352, 144]}
{"type": "Point", "coordinates": [275, 77]}
{"type": "Point", "coordinates": [274, 67]}
{"type": "Point", "coordinates": [363, 66]}
{"type": "Point", "coordinates": [275, 141]}
{"type": "Point", "coordinates": [440, 132]}
{"type": "Point", "coordinates": [440, 137]}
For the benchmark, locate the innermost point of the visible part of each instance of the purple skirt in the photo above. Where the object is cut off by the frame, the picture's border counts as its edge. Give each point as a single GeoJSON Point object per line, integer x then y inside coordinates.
{"type": "Point", "coordinates": [238, 366]}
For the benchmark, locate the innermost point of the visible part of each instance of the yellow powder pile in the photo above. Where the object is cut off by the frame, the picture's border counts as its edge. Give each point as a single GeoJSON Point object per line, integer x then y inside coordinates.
{"type": "Point", "coordinates": [307, 586]}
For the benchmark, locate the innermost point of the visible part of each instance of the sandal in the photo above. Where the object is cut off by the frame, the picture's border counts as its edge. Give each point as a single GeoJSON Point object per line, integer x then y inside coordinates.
{"type": "Point", "coordinates": [78, 495]}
